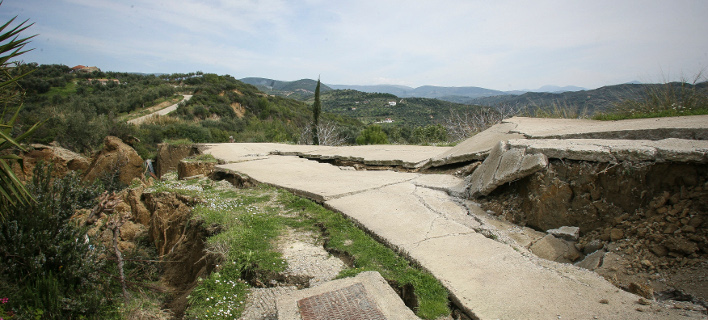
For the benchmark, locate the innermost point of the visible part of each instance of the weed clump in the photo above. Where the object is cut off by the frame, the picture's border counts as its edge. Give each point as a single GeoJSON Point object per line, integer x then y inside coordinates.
{"type": "Point", "coordinates": [670, 99]}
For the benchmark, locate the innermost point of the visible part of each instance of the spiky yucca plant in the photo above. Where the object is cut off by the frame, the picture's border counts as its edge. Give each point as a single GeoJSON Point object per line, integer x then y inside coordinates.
{"type": "Point", "coordinates": [12, 191]}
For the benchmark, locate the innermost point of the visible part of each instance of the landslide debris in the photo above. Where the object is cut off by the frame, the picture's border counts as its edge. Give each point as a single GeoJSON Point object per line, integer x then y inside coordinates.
{"type": "Point", "coordinates": [643, 226]}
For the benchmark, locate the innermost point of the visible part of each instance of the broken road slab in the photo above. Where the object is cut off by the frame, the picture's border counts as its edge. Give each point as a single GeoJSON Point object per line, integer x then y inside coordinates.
{"type": "Point", "coordinates": [407, 156]}
{"type": "Point", "coordinates": [314, 180]}
{"type": "Point", "coordinates": [689, 127]}
{"type": "Point", "coordinates": [478, 146]}
{"type": "Point", "coordinates": [487, 278]}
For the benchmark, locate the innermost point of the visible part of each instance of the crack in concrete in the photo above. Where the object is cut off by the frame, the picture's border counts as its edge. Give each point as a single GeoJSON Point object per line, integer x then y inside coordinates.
{"type": "Point", "coordinates": [441, 215]}
{"type": "Point", "coordinates": [417, 244]}
{"type": "Point", "coordinates": [346, 194]}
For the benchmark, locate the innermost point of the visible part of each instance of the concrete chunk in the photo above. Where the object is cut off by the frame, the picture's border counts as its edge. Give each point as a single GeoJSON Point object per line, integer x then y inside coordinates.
{"type": "Point", "coordinates": [478, 146]}
{"type": "Point", "coordinates": [592, 261]}
{"type": "Point", "coordinates": [367, 294]}
{"type": "Point", "coordinates": [554, 249]}
{"type": "Point", "coordinates": [566, 233]}
{"type": "Point", "coordinates": [504, 165]}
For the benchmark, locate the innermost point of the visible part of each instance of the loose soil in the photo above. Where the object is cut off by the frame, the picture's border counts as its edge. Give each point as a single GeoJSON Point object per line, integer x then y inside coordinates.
{"type": "Point", "coordinates": [651, 218]}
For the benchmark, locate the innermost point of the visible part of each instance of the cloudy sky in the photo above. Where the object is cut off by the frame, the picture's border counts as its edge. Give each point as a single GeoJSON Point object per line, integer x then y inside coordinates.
{"type": "Point", "coordinates": [499, 44]}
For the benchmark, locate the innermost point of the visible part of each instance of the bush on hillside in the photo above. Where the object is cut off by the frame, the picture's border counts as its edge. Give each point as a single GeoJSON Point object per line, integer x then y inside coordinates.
{"type": "Point", "coordinates": [49, 268]}
{"type": "Point", "coordinates": [372, 135]}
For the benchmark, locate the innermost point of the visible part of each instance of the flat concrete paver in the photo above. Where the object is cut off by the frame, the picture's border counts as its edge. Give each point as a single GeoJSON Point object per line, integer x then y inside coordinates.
{"type": "Point", "coordinates": [366, 296]}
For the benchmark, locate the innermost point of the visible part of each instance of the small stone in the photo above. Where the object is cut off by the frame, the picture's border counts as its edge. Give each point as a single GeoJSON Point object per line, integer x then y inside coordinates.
{"type": "Point", "coordinates": [641, 290]}
{"type": "Point", "coordinates": [643, 302]}
{"type": "Point", "coordinates": [679, 245]}
{"type": "Point", "coordinates": [646, 263]}
{"type": "Point", "coordinates": [552, 248]}
{"type": "Point", "coordinates": [671, 228]}
{"type": "Point", "coordinates": [592, 261]}
{"type": "Point", "coordinates": [616, 234]}
{"type": "Point", "coordinates": [695, 221]}
{"type": "Point", "coordinates": [662, 210]}
{"type": "Point", "coordinates": [675, 198]}
{"type": "Point", "coordinates": [659, 250]}
{"type": "Point", "coordinates": [605, 236]}
{"type": "Point", "coordinates": [604, 301]}
{"type": "Point", "coordinates": [688, 229]}
{"type": "Point", "coordinates": [592, 246]}
{"type": "Point", "coordinates": [566, 233]}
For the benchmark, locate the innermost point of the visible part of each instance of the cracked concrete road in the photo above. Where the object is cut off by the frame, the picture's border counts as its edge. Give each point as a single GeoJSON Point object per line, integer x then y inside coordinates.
{"type": "Point", "coordinates": [488, 275]}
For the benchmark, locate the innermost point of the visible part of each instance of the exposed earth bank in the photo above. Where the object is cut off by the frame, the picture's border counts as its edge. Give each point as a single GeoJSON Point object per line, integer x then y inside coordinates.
{"type": "Point", "coordinates": [641, 225]}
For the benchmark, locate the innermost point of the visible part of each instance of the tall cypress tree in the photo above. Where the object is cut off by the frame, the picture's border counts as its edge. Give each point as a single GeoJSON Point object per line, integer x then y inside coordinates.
{"type": "Point", "coordinates": [316, 109]}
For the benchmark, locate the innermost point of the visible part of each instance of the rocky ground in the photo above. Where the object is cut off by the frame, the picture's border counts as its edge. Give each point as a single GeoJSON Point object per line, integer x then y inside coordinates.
{"type": "Point", "coordinates": [641, 226]}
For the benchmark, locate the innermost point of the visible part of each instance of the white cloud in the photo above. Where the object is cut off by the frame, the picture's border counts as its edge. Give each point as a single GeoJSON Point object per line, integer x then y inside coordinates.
{"type": "Point", "coordinates": [450, 42]}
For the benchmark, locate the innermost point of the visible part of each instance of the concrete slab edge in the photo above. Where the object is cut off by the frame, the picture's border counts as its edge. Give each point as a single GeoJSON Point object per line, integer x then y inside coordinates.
{"type": "Point", "coordinates": [388, 302]}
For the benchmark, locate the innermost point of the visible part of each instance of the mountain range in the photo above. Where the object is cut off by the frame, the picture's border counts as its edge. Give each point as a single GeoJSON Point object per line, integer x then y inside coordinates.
{"type": "Point", "coordinates": [453, 94]}
{"type": "Point", "coordinates": [575, 100]}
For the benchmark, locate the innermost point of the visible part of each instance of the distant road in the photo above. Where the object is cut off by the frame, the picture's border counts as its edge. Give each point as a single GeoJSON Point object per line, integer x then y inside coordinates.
{"type": "Point", "coordinates": [161, 112]}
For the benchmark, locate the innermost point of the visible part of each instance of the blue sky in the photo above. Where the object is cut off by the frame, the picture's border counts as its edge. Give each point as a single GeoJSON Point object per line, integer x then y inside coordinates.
{"type": "Point", "coordinates": [502, 45]}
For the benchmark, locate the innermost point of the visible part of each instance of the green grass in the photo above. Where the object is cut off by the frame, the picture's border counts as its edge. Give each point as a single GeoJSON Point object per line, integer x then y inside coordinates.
{"type": "Point", "coordinates": [246, 224]}
{"type": "Point", "coordinates": [65, 91]}
{"type": "Point", "coordinates": [655, 114]}
{"type": "Point", "coordinates": [370, 255]}
{"type": "Point", "coordinates": [671, 99]}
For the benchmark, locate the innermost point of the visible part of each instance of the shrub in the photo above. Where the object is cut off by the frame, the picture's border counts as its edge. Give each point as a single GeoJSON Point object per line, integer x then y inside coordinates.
{"type": "Point", "coordinates": [48, 265]}
{"type": "Point", "coordinates": [372, 135]}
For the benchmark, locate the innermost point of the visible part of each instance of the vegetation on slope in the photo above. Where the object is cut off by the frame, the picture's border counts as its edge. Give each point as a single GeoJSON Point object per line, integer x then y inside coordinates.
{"type": "Point", "coordinates": [82, 111]}
{"type": "Point", "coordinates": [248, 223]}
{"type": "Point", "coordinates": [665, 100]}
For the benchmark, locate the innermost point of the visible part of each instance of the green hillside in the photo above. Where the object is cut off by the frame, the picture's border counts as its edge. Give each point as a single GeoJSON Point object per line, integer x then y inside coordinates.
{"type": "Point", "coordinates": [372, 108]}
{"type": "Point", "coordinates": [80, 111]}
{"type": "Point", "coordinates": [589, 102]}
{"type": "Point", "coordinates": [300, 90]}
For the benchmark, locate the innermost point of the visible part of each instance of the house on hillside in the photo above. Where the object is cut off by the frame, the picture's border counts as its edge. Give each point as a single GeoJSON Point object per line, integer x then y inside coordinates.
{"type": "Point", "coordinates": [388, 120]}
{"type": "Point", "coordinates": [84, 69]}
{"type": "Point", "coordinates": [392, 103]}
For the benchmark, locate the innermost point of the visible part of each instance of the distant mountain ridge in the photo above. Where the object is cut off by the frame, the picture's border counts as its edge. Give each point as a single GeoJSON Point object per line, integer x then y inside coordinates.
{"type": "Point", "coordinates": [300, 89]}
{"type": "Point", "coordinates": [432, 92]}
{"type": "Point", "coordinates": [453, 94]}
{"type": "Point", "coordinates": [587, 102]}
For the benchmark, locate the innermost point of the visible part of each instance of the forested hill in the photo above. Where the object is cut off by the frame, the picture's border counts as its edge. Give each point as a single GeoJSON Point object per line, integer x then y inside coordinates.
{"type": "Point", "coordinates": [300, 89]}
{"type": "Point", "coordinates": [81, 109]}
{"type": "Point", "coordinates": [367, 107]}
{"type": "Point", "coordinates": [387, 108]}
{"type": "Point", "coordinates": [587, 102]}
